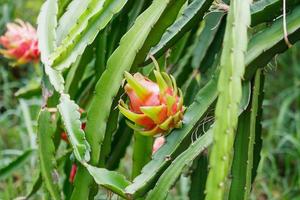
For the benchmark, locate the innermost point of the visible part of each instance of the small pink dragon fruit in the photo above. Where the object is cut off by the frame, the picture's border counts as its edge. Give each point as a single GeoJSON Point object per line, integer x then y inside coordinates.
{"type": "Point", "coordinates": [158, 142]}
{"type": "Point", "coordinates": [20, 43]}
{"type": "Point", "coordinates": [73, 173]}
{"type": "Point", "coordinates": [155, 107]}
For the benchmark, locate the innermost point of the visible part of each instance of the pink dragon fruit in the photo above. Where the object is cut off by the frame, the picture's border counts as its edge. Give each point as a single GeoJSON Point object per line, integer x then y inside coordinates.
{"type": "Point", "coordinates": [155, 107]}
{"type": "Point", "coordinates": [20, 43]}
{"type": "Point", "coordinates": [73, 173]}
{"type": "Point", "coordinates": [158, 142]}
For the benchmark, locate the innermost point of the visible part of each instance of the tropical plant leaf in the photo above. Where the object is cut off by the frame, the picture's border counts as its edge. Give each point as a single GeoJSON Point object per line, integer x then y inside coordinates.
{"type": "Point", "coordinates": [69, 111]}
{"type": "Point", "coordinates": [232, 66]}
{"type": "Point", "coordinates": [109, 179]}
{"type": "Point", "coordinates": [15, 164]}
{"type": "Point", "coordinates": [171, 174]}
{"type": "Point", "coordinates": [47, 21]}
{"type": "Point", "coordinates": [85, 31]}
{"type": "Point", "coordinates": [46, 129]}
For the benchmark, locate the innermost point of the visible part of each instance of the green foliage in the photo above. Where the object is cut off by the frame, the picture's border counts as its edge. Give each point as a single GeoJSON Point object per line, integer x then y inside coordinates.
{"type": "Point", "coordinates": [267, 43]}
{"type": "Point", "coordinates": [170, 175]}
{"type": "Point", "coordinates": [111, 180]}
{"type": "Point", "coordinates": [71, 118]}
{"type": "Point", "coordinates": [87, 46]}
{"type": "Point", "coordinates": [47, 21]}
{"type": "Point", "coordinates": [141, 144]}
{"type": "Point", "coordinates": [267, 10]}
{"type": "Point", "coordinates": [248, 129]}
{"type": "Point", "coordinates": [46, 130]}
{"type": "Point", "coordinates": [97, 15]}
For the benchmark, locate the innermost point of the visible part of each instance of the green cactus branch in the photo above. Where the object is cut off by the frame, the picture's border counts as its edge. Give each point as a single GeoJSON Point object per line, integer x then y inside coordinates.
{"type": "Point", "coordinates": [255, 128]}
{"type": "Point", "coordinates": [168, 178]}
{"type": "Point", "coordinates": [260, 53]}
{"type": "Point", "coordinates": [109, 179]}
{"type": "Point", "coordinates": [46, 130]}
{"type": "Point", "coordinates": [232, 66]}
{"type": "Point", "coordinates": [191, 16]}
{"type": "Point", "coordinates": [69, 18]}
{"type": "Point", "coordinates": [141, 144]}
{"type": "Point", "coordinates": [249, 129]}
{"type": "Point", "coordinates": [268, 10]}
{"type": "Point", "coordinates": [47, 22]}
{"type": "Point", "coordinates": [69, 111]}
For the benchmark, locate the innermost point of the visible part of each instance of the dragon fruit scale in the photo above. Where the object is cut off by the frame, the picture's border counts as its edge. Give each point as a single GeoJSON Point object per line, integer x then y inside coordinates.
{"type": "Point", "coordinates": [155, 108]}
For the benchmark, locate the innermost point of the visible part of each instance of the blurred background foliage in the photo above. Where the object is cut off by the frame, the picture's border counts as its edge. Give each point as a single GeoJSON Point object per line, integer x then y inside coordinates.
{"type": "Point", "coordinates": [279, 170]}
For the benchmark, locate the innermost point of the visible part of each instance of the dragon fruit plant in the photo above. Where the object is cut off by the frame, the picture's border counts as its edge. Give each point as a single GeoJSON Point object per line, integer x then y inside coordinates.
{"type": "Point", "coordinates": [20, 43]}
{"type": "Point", "coordinates": [90, 48]}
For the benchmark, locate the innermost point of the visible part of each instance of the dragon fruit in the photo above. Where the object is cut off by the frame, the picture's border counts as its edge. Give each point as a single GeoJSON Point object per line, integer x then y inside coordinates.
{"type": "Point", "coordinates": [155, 108]}
{"type": "Point", "coordinates": [73, 173]}
{"type": "Point", "coordinates": [158, 142]}
{"type": "Point", "coordinates": [20, 43]}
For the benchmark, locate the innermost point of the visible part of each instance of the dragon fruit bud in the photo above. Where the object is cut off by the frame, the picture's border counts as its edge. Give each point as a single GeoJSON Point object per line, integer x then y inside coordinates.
{"type": "Point", "coordinates": [158, 142]}
{"type": "Point", "coordinates": [20, 43]}
{"type": "Point", "coordinates": [73, 173]}
{"type": "Point", "coordinates": [64, 135]}
{"type": "Point", "coordinates": [155, 108]}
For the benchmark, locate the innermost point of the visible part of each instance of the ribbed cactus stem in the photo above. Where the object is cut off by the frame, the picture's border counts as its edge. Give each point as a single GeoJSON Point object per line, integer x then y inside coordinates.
{"type": "Point", "coordinates": [230, 93]}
